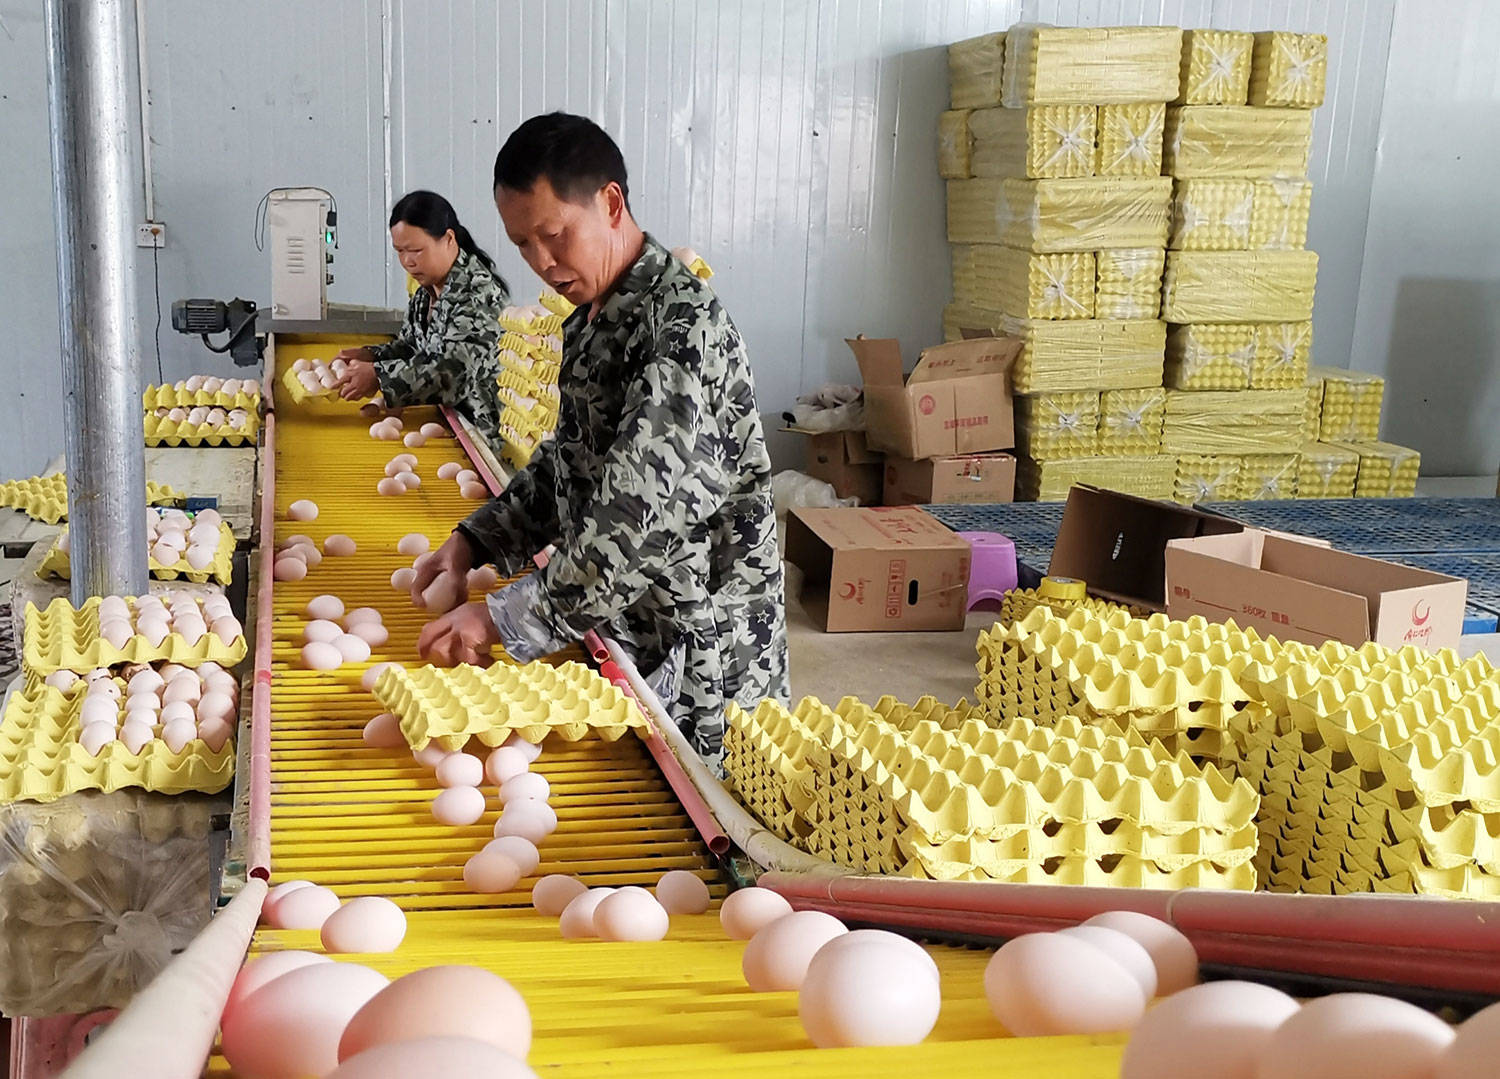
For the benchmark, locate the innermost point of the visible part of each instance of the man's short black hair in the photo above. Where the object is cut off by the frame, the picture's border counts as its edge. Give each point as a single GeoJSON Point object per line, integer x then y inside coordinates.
{"type": "Point", "coordinates": [571, 152]}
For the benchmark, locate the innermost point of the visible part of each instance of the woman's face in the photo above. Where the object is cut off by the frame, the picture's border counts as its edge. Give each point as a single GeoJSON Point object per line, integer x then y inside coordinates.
{"type": "Point", "coordinates": [428, 259]}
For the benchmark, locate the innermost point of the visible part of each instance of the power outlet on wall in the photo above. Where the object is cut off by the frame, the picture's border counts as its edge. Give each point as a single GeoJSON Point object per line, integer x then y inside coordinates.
{"type": "Point", "coordinates": [151, 234]}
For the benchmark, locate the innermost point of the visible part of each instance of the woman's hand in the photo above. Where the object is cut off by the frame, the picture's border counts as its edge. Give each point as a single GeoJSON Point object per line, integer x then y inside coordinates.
{"type": "Point", "coordinates": [463, 635]}
{"type": "Point", "coordinates": [359, 379]}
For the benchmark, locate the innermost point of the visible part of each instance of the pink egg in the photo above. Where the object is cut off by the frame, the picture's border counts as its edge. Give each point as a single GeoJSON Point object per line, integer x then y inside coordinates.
{"type": "Point", "coordinates": [475, 491]}
{"type": "Point", "coordinates": [153, 629]}
{"type": "Point", "coordinates": [444, 593]}
{"type": "Point", "coordinates": [214, 733]}
{"type": "Point", "coordinates": [530, 749]}
{"type": "Point", "coordinates": [99, 709]}
{"type": "Point", "coordinates": [95, 736]}
{"type": "Point", "coordinates": [397, 465]}
{"type": "Point", "coordinates": [776, 958]}
{"type": "Point", "coordinates": [482, 579]}
{"type": "Point", "coordinates": [433, 1058]}
{"type": "Point", "coordinates": [681, 892]}
{"type": "Point", "coordinates": [630, 916]}
{"type": "Point", "coordinates": [460, 770]}
{"type": "Point", "coordinates": [1476, 1047]}
{"type": "Point", "coordinates": [384, 732]}
{"type": "Point", "coordinates": [321, 656]}
{"type": "Point", "coordinates": [434, 430]}
{"type": "Point", "coordinates": [185, 687]}
{"type": "Point", "coordinates": [339, 546]}
{"type": "Point", "coordinates": [104, 687]}
{"type": "Point", "coordinates": [430, 755]}
{"type": "Point", "coordinates": [1122, 949]}
{"type": "Point", "coordinates": [190, 628]}
{"type": "Point", "coordinates": [1351, 1035]}
{"type": "Point", "coordinates": [467, 475]}
{"type": "Point", "coordinates": [304, 908]}
{"type": "Point", "coordinates": [490, 872]}
{"type": "Point", "coordinates": [353, 649]}
{"type": "Point", "coordinates": [297, 539]}
{"type": "Point", "coordinates": [324, 607]}
{"type": "Point", "coordinates": [462, 1001]}
{"type": "Point", "coordinates": [257, 972]}
{"type": "Point", "coordinates": [291, 1026]}
{"type": "Point", "coordinates": [448, 469]}
{"type": "Point", "coordinates": [1044, 983]}
{"type": "Point", "coordinates": [552, 894]}
{"type": "Point", "coordinates": [458, 806]}
{"type": "Point", "coordinates": [377, 429]}
{"type": "Point", "coordinates": [227, 629]}
{"type": "Point", "coordinates": [372, 633]}
{"type": "Point", "coordinates": [505, 763]}
{"type": "Point", "coordinates": [1175, 958]}
{"type": "Point", "coordinates": [414, 439]}
{"type": "Point", "coordinates": [366, 924]}
{"type": "Point", "coordinates": [136, 736]}
{"type": "Point", "coordinates": [62, 680]}
{"type": "Point", "coordinates": [410, 480]}
{"type": "Point", "coordinates": [361, 615]}
{"type": "Point", "coordinates": [413, 544]}
{"type": "Point", "coordinates": [390, 486]}
{"type": "Point", "coordinates": [215, 705]}
{"type": "Point", "coordinates": [165, 554]}
{"type": "Point", "coordinates": [178, 712]}
{"type": "Point", "coordinates": [200, 556]}
{"type": "Point", "coordinates": [276, 894]}
{"type": "Point", "coordinates": [747, 911]}
{"type": "Point", "coordinates": [302, 510]}
{"type": "Point", "coordinates": [525, 785]}
{"type": "Point", "coordinates": [289, 569]}
{"type": "Point", "coordinates": [372, 674]}
{"type": "Point", "coordinates": [117, 633]}
{"type": "Point", "coordinates": [309, 555]}
{"type": "Point", "coordinates": [577, 919]}
{"type": "Point", "coordinates": [401, 580]}
{"type": "Point", "coordinates": [178, 733]}
{"type": "Point", "coordinates": [528, 819]}
{"type": "Point", "coordinates": [1215, 1029]}
{"type": "Point", "coordinates": [878, 990]}
{"type": "Point", "coordinates": [519, 850]}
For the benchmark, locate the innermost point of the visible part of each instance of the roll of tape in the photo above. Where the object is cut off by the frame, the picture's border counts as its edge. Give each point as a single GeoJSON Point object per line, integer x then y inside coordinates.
{"type": "Point", "coordinates": [1063, 589]}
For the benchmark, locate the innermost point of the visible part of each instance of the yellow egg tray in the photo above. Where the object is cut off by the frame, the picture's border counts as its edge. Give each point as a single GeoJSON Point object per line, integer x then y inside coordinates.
{"type": "Point", "coordinates": [1312, 409]}
{"type": "Point", "coordinates": [1236, 141]}
{"type": "Point", "coordinates": [1239, 286]}
{"type": "Point", "coordinates": [302, 395]}
{"type": "Point", "coordinates": [1283, 351]}
{"type": "Point", "coordinates": [161, 431]}
{"type": "Point", "coordinates": [1208, 356]}
{"type": "Point", "coordinates": [171, 396]}
{"type": "Point", "coordinates": [1043, 142]}
{"type": "Point", "coordinates": [539, 406]}
{"type": "Point", "coordinates": [62, 637]}
{"type": "Point", "coordinates": [535, 701]}
{"type": "Point", "coordinates": [1288, 69]}
{"type": "Point", "coordinates": [57, 563]}
{"type": "Point", "coordinates": [557, 304]}
{"type": "Point", "coordinates": [1057, 425]}
{"type": "Point", "coordinates": [1233, 421]}
{"type": "Point", "coordinates": [955, 145]}
{"type": "Point", "coordinates": [1130, 139]}
{"type": "Point", "coordinates": [1060, 215]}
{"type": "Point", "coordinates": [929, 709]}
{"type": "Point", "coordinates": [1024, 283]}
{"type": "Point", "coordinates": [1215, 67]}
{"type": "Point", "coordinates": [1047, 65]}
{"type": "Point", "coordinates": [536, 320]}
{"type": "Point", "coordinates": [46, 497]}
{"type": "Point", "coordinates": [1207, 479]}
{"type": "Point", "coordinates": [1019, 602]}
{"type": "Point", "coordinates": [1050, 481]}
{"type": "Point", "coordinates": [1278, 218]}
{"type": "Point", "coordinates": [1351, 405]}
{"type": "Point", "coordinates": [1212, 214]}
{"type": "Point", "coordinates": [1082, 355]}
{"type": "Point", "coordinates": [1325, 470]}
{"type": "Point", "coordinates": [1386, 470]}
{"type": "Point", "coordinates": [1267, 476]}
{"type": "Point", "coordinates": [975, 69]}
{"type": "Point", "coordinates": [1130, 422]}
{"type": "Point", "coordinates": [41, 760]}
{"type": "Point", "coordinates": [1120, 872]}
{"type": "Point", "coordinates": [527, 372]}
{"type": "Point", "coordinates": [1128, 282]}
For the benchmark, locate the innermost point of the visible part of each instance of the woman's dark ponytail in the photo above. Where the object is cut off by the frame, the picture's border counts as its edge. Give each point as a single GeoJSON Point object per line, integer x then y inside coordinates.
{"type": "Point", "coordinates": [434, 215]}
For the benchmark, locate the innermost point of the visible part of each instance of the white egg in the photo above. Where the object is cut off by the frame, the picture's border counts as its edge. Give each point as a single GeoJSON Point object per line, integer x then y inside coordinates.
{"type": "Point", "coordinates": [99, 710]}
{"type": "Point", "coordinates": [322, 629]}
{"type": "Point", "coordinates": [321, 656]}
{"type": "Point", "coordinates": [214, 705]}
{"type": "Point", "coordinates": [414, 439]}
{"type": "Point", "coordinates": [178, 733]}
{"type": "Point", "coordinates": [353, 649]}
{"type": "Point", "coordinates": [166, 555]}
{"type": "Point", "coordinates": [197, 415]}
{"type": "Point", "coordinates": [475, 491]}
{"type": "Point", "coordinates": [213, 384]}
{"type": "Point", "coordinates": [200, 556]}
{"type": "Point", "coordinates": [401, 580]}
{"type": "Point", "coordinates": [448, 470]}
{"type": "Point", "coordinates": [104, 687]}
{"type": "Point", "coordinates": [136, 736]}
{"type": "Point", "coordinates": [361, 614]}
{"type": "Point", "coordinates": [410, 480]}
{"type": "Point", "coordinates": [372, 633]}
{"type": "Point", "coordinates": [178, 710]}
{"type": "Point", "coordinates": [190, 628]}
{"type": "Point", "coordinates": [216, 417]}
{"type": "Point", "coordinates": [433, 430]}
{"type": "Point", "coordinates": [397, 465]}
{"type": "Point", "coordinates": [467, 475]}
{"type": "Point", "coordinates": [339, 546]}
{"type": "Point", "coordinates": [413, 544]}
{"type": "Point", "coordinates": [95, 736]}
{"type": "Point", "coordinates": [145, 706]}
{"type": "Point", "coordinates": [96, 674]}
{"type": "Point", "coordinates": [409, 458]}
{"type": "Point", "coordinates": [289, 569]}
{"type": "Point", "coordinates": [302, 510]}
{"type": "Point", "coordinates": [222, 682]}
{"type": "Point", "coordinates": [203, 532]}
{"type": "Point", "coordinates": [185, 687]}
{"type": "Point", "coordinates": [215, 732]}
{"type": "Point", "coordinates": [147, 681]}
{"type": "Point", "coordinates": [390, 486]}
{"type": "Point", "coordinates": [193, 384]}
{"type": "Point", "coordinates": [231, 386]}
{"type": "Point", "coordinates": [63, 680]}
{"type": "Point", "coordinates": [116, 633]}
{"type": "Point", "coordinates": [153, 628]}
{"type": "Point", "coordinates": [175, 516]}
{"type": "Point", "coordinates": [113, 605]}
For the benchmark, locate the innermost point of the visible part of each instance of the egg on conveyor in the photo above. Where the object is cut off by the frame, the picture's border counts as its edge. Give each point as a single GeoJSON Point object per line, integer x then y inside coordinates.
{"type": "Point", "coordinates": [577, 919]}
{"type": "Point", "coordinates": [521, 851]}
{"type": "Point", "coordinates": [302, 510]}
{"type": "Point", "coordinates": [322, 629]}
{"type": "Point", "coordinates": [291, 1025]}
{"type": "Point", "coordinates": [365, 924]}
{"type": "Point", "coordinates": [458, 1001]}
{"type": "Point", "coordinates": [527, 818]}
{"type": "Point", "coordinates": [458, 806]}
{"type": "Point", "coordinates": [777, 957]}
{"type": "Point", "coordinates": [1046, 983]}
{"type": "Point", "coordinates": [1355, 1034]}
{"type": "Point", "coordinates": [384, 732]}
{"type": "Point", "coordinates": [1219, 1028]}
{"type": "Point", "coordinates": [552, 894]}
{"type": "Point", "coordinates": [459, 770]}
{"type": "Point", "coordinates": [747, 911]}
{"type": "Point", "coordinates": [681, 892]}
{"type": "Point", "coordinates": [321, 656]}
{"type": "Point", "coordinates": [372, 633]}
{"type": "Point", "coordinates": [630, 915]}
{"type": "Point", "coordinates": [324, 606]}
{"type": "Point", "coordinates": [410, 480]}
{"type": "Point", "coordinates": [491, 872]}
{"type": "Point", "coordinates": [390, 486]}
{"type": "Point", "coordinates": [339, 546]}
{"type": "Point", "coordinates": [526, 785]}
{"type": "Point", "coordinates": [448, 470]}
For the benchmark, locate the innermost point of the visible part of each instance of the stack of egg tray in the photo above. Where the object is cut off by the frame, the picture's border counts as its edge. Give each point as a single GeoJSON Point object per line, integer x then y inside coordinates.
{"type": "Point", "coordinates": [1209, 356]}
{"type": "Point", "coordinates": [1279, 214]}
{"type": "Point", "coordinates": [1386, 470]}
{"type": "Point", "coordinates": [1130, 421]}
{"type": "Point", "coordinates": [1236, 141]}
{"type": "Point", "coordinates": [533, 320]}
{"type": "Point", "coordinates": [161, 430]}
{"type": "Point", "coordinates": [1130, 139]}
{"type": "Point", "coordinates": [1239, 286]}
{"type": "Point", "coordinates": [1350, 406]}
{"type": "Point", "coordinates": [1051, 480]}
{"type": "Point", "coordinates": [955, 146]}
{"type": "Point", "coordinates": [1060, 215]}
{"type": "Point", "coordinates": [175, 396]}
{"type": "Point", "coordinates": [1207, 478]}
{"type": "Point", "coordinates": [1325, 470]}
{"type": "Point", "coordinates": [1045, 142]}
{"type": "Point", "coordinates": [559, 304]}
{"type": "Point", "coordinates": [1211, 214]}
{"type": "Point", "coordinates": [1215, 67]}
{"type": "Point", "coordinates": [46, 497]}
{"type": "Point", "coordinates": [1057, 425]}
{"type": "Point", "coordinates": [569, 702]}
{"type": "Point", "coordinates": [1378, 772]}
{"type": "Point", "coordinates": [1025, 283]}
{"type": "Point", "coordinates": [1282, 353]}
{"type": "Point", "coordinates": [1233, 421]}
{"type": "Point", "coordinates": [1115, 65]}
{"type": "Point", "coordinates": [1078, 355]}
{"type": "Point", "coordinates": [1312, 409]}
{"type": "Point", "coordinates": [1288, 69]}
{"type": "Point", "coordinates": [62, 637]}
{"type": "Point", "coordinates": [1020, 602]}
{"type": "Point", "coordinates": [1170, 680]}
{"type": "Point", "coordinates": [1267, 476]}
{"type": "Point", "coordinates": [766, 763]}
{"type": "Point", "coordinates": [1128, 282]}
{"type": "Point", "coordinates": [58, 563]}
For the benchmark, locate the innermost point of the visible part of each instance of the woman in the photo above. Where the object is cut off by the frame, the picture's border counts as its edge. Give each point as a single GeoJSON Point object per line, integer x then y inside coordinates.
{"type": "Point", "coordinates": [447, 351]}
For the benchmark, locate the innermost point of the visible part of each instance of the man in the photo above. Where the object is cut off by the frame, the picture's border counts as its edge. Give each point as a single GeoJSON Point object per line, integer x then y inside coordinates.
{"type": "Point", "coordinates": [656, 489]}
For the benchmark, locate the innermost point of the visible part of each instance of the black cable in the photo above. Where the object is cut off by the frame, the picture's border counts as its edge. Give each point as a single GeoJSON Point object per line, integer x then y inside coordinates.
{"type": "Point", "coordinates": [156, 280]}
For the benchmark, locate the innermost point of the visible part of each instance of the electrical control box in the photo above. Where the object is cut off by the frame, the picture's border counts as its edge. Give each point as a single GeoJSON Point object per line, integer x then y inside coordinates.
{"type": "Point", "coordinates": [302, 243]}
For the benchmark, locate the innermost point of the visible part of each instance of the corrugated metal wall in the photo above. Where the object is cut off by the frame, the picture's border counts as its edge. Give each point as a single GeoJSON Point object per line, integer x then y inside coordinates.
{"type": "Point", "coordinates": [791, 141]}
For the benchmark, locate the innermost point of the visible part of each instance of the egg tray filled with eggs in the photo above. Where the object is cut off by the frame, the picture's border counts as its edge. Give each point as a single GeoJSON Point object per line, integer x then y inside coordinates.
{"type": "Point", "coordinates": [45, 498]}
{"type": "Point", "coordinates": [167, 736]}
{"type": "Point", "coordinates": [523, 371]}
{"type": "Point", "coordinates": [201, 425]}
{"type": "Point", "coordinates": [533, 406]}
{"type": "Point", "coordinates": [534, 320]}
{"type": "Point", "coordinates": [204, 390]}
{"type": "Point", "coordinates": [314, 379]}
{"type": "Point", "coordinates": [569, 701]}
{"type": "Point", "coordinates": [110, 630]}
{"type": "Point", "coordinates": [193, 547]}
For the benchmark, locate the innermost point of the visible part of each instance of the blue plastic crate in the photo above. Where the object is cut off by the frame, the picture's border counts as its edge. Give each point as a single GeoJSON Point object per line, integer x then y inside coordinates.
{"type": "Point", "coordinates": [1380, 526]}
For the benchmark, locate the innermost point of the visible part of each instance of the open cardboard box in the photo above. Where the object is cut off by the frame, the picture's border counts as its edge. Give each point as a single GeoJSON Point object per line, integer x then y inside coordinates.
{"type": "Point", "coordinates": [1299, 590]}
{"type": "Point", "coordinates": [844, 460]}
{"type": "Point", "coordinates": [978, 477]}
{"type": "Point", "coordinates": [957, 399]}
{"type": "Point", "coordinates": [869, 569]}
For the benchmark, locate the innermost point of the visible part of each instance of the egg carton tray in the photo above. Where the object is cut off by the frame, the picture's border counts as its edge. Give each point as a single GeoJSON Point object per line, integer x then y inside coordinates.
{"type": "Point", "coordinates": [927, 709]}
{"type": "Point", "coordinates": [45, 498]}
{"type": "Point", "coordinates": [569, 701]}
{"type": "Point", "coordinates": [556, 303]}
{"type": "Point", "coordinates": [41, 760]}
{"type": "Point", "coordinates": [57, 562]}
{"type": "Point", "coordinates": [161, 431]}
{"type": "Point", "coordinates": [61, 637]}
{"type": "Point", "coordinates": [534, 320]}
{"type": "Point", "coordinates": [170, 396]}
{"type": "Point", "coordinates": [782, 739]}
{"type": "Point", "coordinates": [1121, 872]}
{"type": "Point", "coordinates": [302, 395]}
{"type": "Point", "coordinates": [997, 858]}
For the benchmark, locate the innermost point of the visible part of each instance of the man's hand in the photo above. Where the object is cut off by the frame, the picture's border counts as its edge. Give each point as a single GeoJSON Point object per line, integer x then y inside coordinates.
{"type": "Point", "coordinates": [463, 635]}
{"type": "Point", "coordinates": [360, 379]}
{"type": "Point", "coordinates": [455, 557]}
{"type": "Point", "coordinates": [349, 355]}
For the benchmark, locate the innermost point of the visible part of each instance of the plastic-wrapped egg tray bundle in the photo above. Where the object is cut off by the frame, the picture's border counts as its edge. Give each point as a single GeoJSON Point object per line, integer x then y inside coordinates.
{"type": "Point", "coordinates": [1207, 356]}
{"type": "Point", "coordinates": [1267, 476]}
{"type": "Point", "coordinates": [1128, 282]}
{"type": "Point", "coordinates": [569, 701]}
{"type": "Point", "coordinates": [1288, 69]}
{"type": "Point", "coordinates": [309, 378]}
{"type": "Point", "coordinates": [1326, 470]}
{"type": "Point", "coordinates": [1283, 351]}
{"type": "Point", "coordinates": [1151, 476]}
{"type": "Point", "coordinates": [1232, 421]}
{"type": "Point", "coordinates": [1236, 141]}
{"type": "Point", "coordinates": [1239, 286]}
{"type": "Point", "coordinates": [197, 547]}
{"type": "Point", "coordinates": [1215, 67]}
{"type": "Point", "coordinates": [1130, 139]}
{"type": "Point", "coordinates": [166, 729]}
{"type": "Point", "coordinates": [1060, 215]}
{"type": "Point", "coordinates": [1081, 355]}
{"type": "Point", "coordinates": [1115, 65]}
{"type": "Point", "coordinates": [1207, 478]}
{"type": "Point", "coordinates": [1130, 422]}
{"type": "Point", "coordinates": [210, 390]}
{"type": "Point", "coordinates": [46, 497]}
{"type": "Point", "coordinates": [1351, 405]}
{"type": "Point", "coordinates": [110, 630]}
{"type": "Point", "coordinates": [1212, 214]}
{"type": "Point", "coordinates": [97, 893]}
{"type": "Point", "coordinates": [201, 425]}
{"type": "Point", "coordinates": [1386, 470]}
{"type": "Point", "coordinates": [1058, 285]}
{"type": "Point", "coordinates": [1057, 425]}
{"type": "Point", "coordinates": [1043, 142]}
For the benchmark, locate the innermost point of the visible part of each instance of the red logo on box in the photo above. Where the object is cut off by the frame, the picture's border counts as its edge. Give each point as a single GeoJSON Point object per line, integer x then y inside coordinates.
{"type": "Point", "coordinates": [1420, 619]}
{"type": "Point", "coordinates": [928, 404]}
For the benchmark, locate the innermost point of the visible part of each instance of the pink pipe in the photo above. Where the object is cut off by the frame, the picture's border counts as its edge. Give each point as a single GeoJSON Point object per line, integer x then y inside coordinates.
{"type": "Point", "coordinates": [671, 768]}
{"type": "Point", "coordinates": [490, 479]}
{"type": "Point", "coordinates": [258, 857]}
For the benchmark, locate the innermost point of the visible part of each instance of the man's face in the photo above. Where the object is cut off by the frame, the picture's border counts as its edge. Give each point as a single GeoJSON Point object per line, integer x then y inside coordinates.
{"type": "Point", "coordinates": [569, 244]}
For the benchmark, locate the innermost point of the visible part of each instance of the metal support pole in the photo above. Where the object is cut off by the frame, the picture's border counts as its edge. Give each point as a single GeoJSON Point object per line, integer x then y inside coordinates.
{"type": "Point", "coordinates": [91, 91]}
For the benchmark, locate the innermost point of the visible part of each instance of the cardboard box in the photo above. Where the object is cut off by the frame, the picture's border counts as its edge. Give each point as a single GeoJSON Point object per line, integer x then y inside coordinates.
{"type": "Point", "coordinates": [988, 477]}
{"type": "Point", "coordinates": [879, 569]}
{"type": "Point", "coordinates": [956, 400]}
{"type": "Point", "coordinates": [1299, 590]}
{"type": "Point", "coordinates": [1117, 543]}
{"type": "Point", "coordinates": [845, 460]}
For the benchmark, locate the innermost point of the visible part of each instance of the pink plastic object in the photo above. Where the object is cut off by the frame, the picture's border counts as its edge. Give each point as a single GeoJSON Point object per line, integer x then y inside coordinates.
{"type": "Point", "coordinates": [992, 567]}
